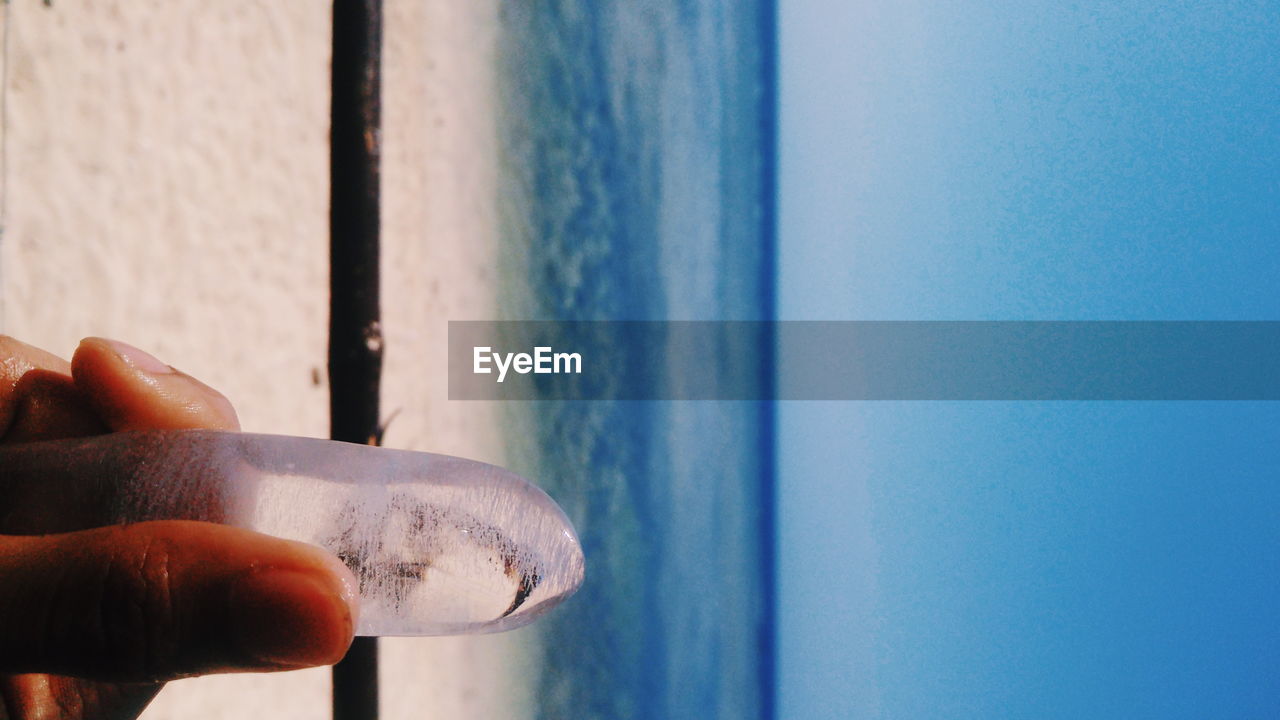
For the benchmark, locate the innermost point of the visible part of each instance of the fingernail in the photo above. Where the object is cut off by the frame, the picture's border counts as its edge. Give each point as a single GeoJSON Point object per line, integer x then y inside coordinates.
{"type": "Point", "coordinates": [143, 361]}
{"type": "Point", "coordinates": [290, 618]}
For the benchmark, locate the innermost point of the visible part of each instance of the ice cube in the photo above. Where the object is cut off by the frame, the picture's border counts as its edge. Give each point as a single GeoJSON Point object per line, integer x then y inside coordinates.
{"type": "Point", "coordinates": [440, 545]}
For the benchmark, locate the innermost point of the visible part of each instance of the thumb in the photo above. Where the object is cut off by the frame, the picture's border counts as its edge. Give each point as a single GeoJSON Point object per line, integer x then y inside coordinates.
{"type": "Point", "coordinates": [160, 600]}
{"type": "Point", "coordinates": [132, 390]}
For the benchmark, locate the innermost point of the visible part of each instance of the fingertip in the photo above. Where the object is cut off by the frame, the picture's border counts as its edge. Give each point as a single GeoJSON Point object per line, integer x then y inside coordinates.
{"type": "Point", "coordinates": [97, 359]}
{"type": "Point", "coordinates": [106, 348]}
{"type": "Point", "coordinates": [284, 619]}
{"type": "Point", "coordinates": [348, 587]}
{"type": "Point", "coordinates": [133, 390]}
{"type": "Point", "coordinates": [295, 606]}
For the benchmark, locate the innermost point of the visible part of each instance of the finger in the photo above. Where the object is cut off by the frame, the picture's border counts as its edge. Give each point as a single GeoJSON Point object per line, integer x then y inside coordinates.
{"type": "Point", "coordinates": [160, 600]}
{"type": "Point", "coordinates": [47, 406]}
{"type": "Point", "coordinates": [17, 357]}
{"type": "Point", "coordinates": [67, 698]}
{"type": "Point", "coordinates": [38, 400]}
{"type": "Point", "coordinates": [131, 390]}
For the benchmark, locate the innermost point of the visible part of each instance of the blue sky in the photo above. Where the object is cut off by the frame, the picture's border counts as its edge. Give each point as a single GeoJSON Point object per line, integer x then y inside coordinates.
{"type": "Point", "coordinates": [1019, 161]}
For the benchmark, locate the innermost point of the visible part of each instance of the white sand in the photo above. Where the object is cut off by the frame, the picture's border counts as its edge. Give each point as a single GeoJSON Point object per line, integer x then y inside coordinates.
{"type": "Point", "coordinates": [168, 186]}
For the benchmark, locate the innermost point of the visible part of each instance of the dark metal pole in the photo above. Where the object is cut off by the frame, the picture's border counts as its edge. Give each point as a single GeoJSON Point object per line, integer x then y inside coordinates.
{"type": "Point", "coordinates": [355, 336]}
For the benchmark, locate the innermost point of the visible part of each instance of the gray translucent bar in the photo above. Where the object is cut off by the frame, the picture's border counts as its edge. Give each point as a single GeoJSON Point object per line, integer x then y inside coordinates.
{"type": "Point", "coordinates": [890, 360]}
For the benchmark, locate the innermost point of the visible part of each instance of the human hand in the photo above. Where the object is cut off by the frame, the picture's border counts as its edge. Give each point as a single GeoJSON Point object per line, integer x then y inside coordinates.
{"type": "Point", "coordinates": [92, 622]}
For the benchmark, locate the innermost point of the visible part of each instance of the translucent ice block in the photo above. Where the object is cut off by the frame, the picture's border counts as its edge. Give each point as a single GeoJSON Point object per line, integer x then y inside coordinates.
{"type": "Point", "coordinates": [440, 545]}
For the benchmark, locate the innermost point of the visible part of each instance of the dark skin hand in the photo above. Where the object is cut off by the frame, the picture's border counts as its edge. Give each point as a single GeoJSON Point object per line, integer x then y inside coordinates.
{"type": "Point", "coordinates": [93, 622]}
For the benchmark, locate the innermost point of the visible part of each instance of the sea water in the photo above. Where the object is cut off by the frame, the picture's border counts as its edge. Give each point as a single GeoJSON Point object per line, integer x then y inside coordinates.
{"type": "Point", "coordinates": [634, 185]}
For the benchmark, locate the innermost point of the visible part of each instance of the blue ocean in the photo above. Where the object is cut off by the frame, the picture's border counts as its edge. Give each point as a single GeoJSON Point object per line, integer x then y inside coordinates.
{"type": "Point", "coordinates": [1010, 161]}
{"type": "Point", "coordinates": [636, 148]}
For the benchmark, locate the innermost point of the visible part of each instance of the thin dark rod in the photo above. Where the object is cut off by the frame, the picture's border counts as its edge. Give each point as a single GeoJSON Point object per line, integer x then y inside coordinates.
{"type": "Point", "coordinates": [355, 336]}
